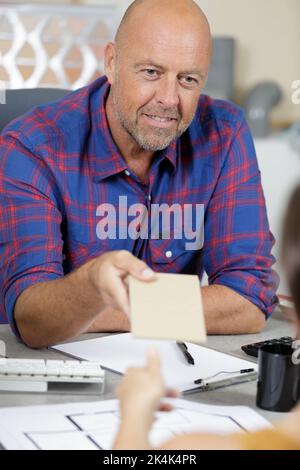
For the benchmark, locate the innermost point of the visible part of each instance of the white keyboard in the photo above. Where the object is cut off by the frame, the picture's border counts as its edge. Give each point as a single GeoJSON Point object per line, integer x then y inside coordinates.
{"type": "Point", "coordinates": [34, 375]}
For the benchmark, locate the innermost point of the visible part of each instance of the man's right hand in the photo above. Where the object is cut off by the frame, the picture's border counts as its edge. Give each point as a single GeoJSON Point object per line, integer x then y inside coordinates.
{"type": "Point", "coordinates": [55, 311]}
{"type": "Point", "coordinates": [108, 274]}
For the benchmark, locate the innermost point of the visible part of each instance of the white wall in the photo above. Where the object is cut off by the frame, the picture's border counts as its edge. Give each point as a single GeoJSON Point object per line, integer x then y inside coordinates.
{"type": "Point", "coordinates": [268, 34]}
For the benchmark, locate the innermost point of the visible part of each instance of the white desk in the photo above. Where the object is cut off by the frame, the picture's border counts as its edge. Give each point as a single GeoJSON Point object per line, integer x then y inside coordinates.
{"type": "Point", "coordinates": [242, 394]}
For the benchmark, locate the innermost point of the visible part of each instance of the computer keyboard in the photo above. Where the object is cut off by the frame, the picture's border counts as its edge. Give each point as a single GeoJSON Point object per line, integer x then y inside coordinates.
{"type": "Point", "coordinates": [34, 375]}
{"type": "Point", "coordinates": [252, 349]}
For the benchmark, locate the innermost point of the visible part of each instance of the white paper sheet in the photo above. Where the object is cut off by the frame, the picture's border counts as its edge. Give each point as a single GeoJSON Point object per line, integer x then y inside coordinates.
{"type": "Point", "coordinates": [94, 425]}
{"type": "Point", "coordinates": [118, 352]}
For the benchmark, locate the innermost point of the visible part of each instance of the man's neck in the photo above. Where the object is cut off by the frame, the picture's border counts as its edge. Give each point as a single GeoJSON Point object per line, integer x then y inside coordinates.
{"type": "Point", "coordinates": [136, 158]}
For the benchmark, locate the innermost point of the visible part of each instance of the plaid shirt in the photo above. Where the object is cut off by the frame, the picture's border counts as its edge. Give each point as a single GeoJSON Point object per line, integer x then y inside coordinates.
{"type": "Point", "coordinates": [58, 163]}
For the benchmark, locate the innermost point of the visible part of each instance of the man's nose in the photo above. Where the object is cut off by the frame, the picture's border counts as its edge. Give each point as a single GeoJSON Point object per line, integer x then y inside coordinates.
{"type": "Point", "coordinates": [167, 92]}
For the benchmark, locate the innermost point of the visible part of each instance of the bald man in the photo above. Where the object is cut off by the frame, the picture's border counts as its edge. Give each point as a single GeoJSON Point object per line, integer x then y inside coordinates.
{"type": "Point", "coordinates": [85, 182]}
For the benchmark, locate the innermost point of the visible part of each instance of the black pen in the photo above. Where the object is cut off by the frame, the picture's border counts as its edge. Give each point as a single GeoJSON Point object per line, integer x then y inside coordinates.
{"type": "Point", "coordinates": [183, 348]}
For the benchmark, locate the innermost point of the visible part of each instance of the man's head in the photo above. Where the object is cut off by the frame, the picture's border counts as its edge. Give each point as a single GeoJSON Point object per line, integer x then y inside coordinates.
{"type": "Point", "coordinates": [157, 68]}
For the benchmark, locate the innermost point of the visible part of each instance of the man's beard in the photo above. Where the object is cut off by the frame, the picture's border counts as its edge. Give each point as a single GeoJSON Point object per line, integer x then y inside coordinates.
{"type": "Point", "coordinates": [155, 140]}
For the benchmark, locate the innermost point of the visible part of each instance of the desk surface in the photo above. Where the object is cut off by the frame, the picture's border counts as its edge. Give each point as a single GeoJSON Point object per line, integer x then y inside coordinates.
{"type": "Point", "coordinates": [241, 394]}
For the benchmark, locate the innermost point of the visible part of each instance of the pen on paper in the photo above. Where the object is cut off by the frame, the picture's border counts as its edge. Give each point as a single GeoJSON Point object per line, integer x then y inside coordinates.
{"type": "Point", "coordinates": [205, 387]}
{"type": "Point", "coordinates": [241, 371]}
{"type": "Point", "coordinates": [183, 348]}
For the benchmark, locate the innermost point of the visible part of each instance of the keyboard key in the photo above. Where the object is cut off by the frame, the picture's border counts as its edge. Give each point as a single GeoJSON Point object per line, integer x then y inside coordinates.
{"type": "Point", "coordinates": [253, 348]}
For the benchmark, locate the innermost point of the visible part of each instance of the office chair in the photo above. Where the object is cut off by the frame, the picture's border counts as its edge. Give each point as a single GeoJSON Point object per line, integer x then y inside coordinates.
{"type": "Point", "coordinates": [20, 101]}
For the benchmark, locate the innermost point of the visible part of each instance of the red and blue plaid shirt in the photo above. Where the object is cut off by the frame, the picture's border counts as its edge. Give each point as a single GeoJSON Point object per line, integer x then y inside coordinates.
{"type": "Point", "coordinates": [58, 163]}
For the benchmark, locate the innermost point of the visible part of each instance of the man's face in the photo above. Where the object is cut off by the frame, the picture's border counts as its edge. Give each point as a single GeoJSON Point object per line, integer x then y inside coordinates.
{"type": "Point", "coordinates": [156, 85]}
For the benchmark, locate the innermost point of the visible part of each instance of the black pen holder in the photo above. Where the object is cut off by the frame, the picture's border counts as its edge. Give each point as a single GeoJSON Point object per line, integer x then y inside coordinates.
{"type": "Point", "coordinates": [278, 387]}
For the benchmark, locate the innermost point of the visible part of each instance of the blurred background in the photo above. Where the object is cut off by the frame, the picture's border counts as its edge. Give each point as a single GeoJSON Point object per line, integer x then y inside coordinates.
{"type": "Point", "coordinates": [256, 63]}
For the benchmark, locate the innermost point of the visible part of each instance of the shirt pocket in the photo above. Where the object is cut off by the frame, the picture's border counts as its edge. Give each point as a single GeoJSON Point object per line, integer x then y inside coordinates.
{"type": "Point", "coordinates": [177, 256]}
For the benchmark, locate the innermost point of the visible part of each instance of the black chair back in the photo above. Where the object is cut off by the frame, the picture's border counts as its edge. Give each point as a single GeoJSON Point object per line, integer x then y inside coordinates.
{"type": "Point", "coordinates": [18, 102]}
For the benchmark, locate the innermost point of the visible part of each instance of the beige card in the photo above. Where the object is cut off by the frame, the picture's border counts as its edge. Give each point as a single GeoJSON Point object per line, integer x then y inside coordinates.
{"type": "Point", "coordinates": [168, 308]}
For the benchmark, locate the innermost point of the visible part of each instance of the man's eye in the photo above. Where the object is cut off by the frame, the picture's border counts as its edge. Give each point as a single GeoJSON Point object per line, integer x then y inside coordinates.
{"type": "Point", "coordinates": [150, 72]}
{"type": "Point", "coordinates": [190, 80]}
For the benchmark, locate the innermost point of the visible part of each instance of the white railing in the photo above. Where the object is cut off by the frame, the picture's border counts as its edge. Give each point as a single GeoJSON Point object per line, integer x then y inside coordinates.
{"type": "Point", "coordinates": [53, 46]}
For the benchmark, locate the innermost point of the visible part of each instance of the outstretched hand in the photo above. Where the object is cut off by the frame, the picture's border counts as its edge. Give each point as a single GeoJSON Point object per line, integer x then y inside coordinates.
{"type": "Point", "coordinates": [142, 389]}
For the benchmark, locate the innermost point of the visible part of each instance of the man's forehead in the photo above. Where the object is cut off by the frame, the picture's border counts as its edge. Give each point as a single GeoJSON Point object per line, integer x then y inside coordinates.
{"type": "Point", "coordinates": [160, 42]}
{"type": "Point", "coordinates": [185, 59]}
{"type": "Point", "coordinates": [168, 35]}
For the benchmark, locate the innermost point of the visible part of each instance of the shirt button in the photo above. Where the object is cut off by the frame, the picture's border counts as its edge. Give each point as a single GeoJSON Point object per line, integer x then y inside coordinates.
{"type": "Point", "coordinates": [169, 254]}
{"type": "Point", "coordinates": [127, 173]}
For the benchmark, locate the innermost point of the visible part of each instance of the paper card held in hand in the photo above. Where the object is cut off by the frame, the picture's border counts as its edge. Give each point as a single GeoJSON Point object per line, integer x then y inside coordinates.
{"type": "Point", "coordinates": [170, 307]}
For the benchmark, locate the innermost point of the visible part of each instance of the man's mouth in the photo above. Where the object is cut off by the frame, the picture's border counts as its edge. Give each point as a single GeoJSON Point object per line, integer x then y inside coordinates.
{"type": "Point", "coordinates": [159, 121]}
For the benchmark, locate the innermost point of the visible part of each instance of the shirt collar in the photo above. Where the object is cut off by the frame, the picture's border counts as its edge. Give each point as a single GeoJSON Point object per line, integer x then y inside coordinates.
{"type": "Point", "coordinates": [107, 159]}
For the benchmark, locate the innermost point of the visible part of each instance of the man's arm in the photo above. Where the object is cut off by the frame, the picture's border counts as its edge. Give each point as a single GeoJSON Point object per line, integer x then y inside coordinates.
{"type": "Point", "coordinates": [54, 311]}
{"type": "Point", "coordinates": [39, 301]}
{"type": "Point", "coordinates": [237, 250]}
{"type": "Point", "coordinates": [227, 312]}
{"type": "Point", "coordinates": [110, 320]}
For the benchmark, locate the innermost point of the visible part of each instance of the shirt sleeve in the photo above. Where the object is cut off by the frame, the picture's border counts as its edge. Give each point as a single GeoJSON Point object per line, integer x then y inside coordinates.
{"type": "Point", "coordinates": [238, 242]}
{"type": "Point", "coordinates": [31, 241]}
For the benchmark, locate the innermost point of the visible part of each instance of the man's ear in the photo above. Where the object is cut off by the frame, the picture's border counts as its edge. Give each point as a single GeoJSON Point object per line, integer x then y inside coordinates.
{"type": "Point", "coordinates": [110, 62]}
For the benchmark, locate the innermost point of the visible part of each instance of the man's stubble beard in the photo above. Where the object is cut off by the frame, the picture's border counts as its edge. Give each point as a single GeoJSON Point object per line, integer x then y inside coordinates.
{"type": "Point", "coordinates": [146, 142]}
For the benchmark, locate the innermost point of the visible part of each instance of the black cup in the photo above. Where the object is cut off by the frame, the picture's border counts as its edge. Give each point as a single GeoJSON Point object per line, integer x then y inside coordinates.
{"type": "Point", "coordinates": [278, 387]}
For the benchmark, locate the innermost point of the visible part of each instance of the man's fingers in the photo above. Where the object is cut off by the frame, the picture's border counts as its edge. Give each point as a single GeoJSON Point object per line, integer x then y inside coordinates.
{"type": "Point", "coordinates": [118, 294]}
{"type": "Point", "coordinates": [111, 275]}
{"type": "Point", "coordinates": [134, 266]}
